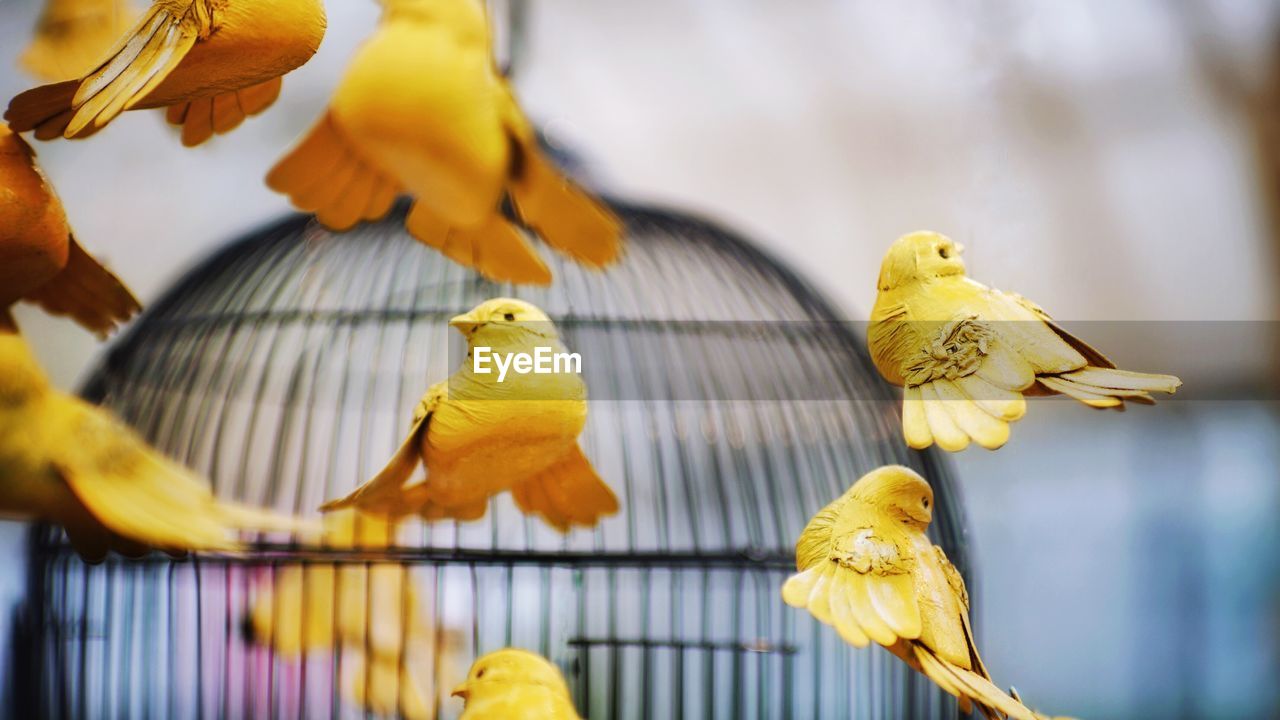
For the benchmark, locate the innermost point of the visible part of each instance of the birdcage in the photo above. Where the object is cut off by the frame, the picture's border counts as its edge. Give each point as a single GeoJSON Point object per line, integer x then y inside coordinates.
{"type": "Point", "coordinates": [728, 405]}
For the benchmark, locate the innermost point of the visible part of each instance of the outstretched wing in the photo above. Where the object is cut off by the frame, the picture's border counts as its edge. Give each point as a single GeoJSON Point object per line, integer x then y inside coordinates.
{"type": "Point", "coordinates": [562, 213]}
{"type": "Point", "coordinates": [141, 60]}
{"type": "Point", "coordinates": [384, 493]}
{"type": "Point", "coordinates": [862, 585]}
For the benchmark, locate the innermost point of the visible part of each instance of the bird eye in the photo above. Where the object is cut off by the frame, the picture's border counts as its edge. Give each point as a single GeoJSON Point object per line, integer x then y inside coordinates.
{"type": "Point", "coordinates": [926, 502]}
{"type": "Point", "coordinates": [480, 673]}
{"type": "Point", "coordinates": [509, 317]}
{"type": "Point", "coordinates": [943, 252]}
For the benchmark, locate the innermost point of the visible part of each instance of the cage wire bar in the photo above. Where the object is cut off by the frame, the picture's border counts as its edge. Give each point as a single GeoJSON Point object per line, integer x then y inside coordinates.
{"type": "Point", "coordinates": [286, 369]}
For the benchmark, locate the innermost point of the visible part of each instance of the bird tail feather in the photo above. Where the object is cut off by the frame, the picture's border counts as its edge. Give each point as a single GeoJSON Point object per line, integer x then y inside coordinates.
{"type": "Point", "coordinates": [495, 248]}
{"type": "Point", "coordinates": [1109, 388]}
{"type": "Point", "coordinates": [204, 117]}
{"type": "Point", "coordinates": [87, 292]}
{"type": "Point", "coordinates": [324, 174]}
{"type": "Point", "coordinates": [991, 700]}
{"type": "Point", "coordinates": [567, 493]}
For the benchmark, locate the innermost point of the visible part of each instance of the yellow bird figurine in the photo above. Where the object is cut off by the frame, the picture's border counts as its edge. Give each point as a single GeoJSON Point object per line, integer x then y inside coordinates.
{"type": "Point", "coordinates": [513, 684]}
{"type": "Point", "coordinates": [370, 612]}
{"type": "Point", "coordinates": [966, 354]}
{"type": "Point", "coordinates": [210, 63]}
{"type": "Point", "coordinates": [73, 36]}
{"type": "Point", "coordinates": [422, 110]}
{"type": "Point", "coordinates": [74, 464]}
{"type": "Point", "coordinates": [867, 569]}
{"type": "Point", "coordinates": [40, 261]}
{"type": "Point", "coordinates": [480, 434]}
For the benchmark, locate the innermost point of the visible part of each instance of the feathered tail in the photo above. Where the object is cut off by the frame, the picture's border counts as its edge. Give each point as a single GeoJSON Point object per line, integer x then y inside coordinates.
{"type": "Point", "coordinates": [1109, 388]}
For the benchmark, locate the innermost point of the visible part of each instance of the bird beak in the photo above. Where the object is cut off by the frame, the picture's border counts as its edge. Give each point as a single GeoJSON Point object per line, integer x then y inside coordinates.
{"type": "Point", "coordinates": [460, 691]}
{"type": "Point", "coordinates": [465, 322]}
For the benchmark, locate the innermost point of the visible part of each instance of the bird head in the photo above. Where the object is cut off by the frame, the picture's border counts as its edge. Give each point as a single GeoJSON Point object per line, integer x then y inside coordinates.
{"type": "Point", "coordinates": [503, 321]}
{"type": "Point", "coordinates": [920, 256]}
{"type": "Point", "coordinates": [508, 667]}
{"type": "Point", "coordinates": [898, 490]}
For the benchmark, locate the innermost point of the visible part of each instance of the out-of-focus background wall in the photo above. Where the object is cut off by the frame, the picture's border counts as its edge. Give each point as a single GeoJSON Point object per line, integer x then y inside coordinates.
{"type": "Point", "coordinates": [1115, 161]}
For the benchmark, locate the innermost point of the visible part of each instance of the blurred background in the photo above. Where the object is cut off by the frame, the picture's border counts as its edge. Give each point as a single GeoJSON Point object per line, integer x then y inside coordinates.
{"type": "Point", "coordinates": [1113, 161]}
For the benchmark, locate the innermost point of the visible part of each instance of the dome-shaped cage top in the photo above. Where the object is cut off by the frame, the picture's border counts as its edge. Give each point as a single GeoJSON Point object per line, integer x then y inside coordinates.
{"type": "Point", "coordinates": [245, 369]}
{"type": "Point", "coordinates": [729, 403]}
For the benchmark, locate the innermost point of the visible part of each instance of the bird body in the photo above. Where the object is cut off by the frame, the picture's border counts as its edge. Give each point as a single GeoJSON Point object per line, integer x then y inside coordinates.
{"type": "Point", "coordinates": [210, 62]}
{"type": "Point", "coordinates": [479, 436]}
{"type": "Point", "coordinates": [867, 568]}
{"type": "Point", "coordinates": [967, 354]}
{"type": "Point", "coordinates": [40, 261]}
{"type": "Point", "coordinates": [68, 462]}
{"type": "Point", "coordinates": [514, 684]}
{"type": "Point", "coordinates": [422, 110]}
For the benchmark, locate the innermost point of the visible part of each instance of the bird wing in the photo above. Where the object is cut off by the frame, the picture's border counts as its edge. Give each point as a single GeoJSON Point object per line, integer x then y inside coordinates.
{"type": "Point", "coordinates": [567, 493]}
{"type": "Point", "coordinates": [88, 292]}
{"type": "Point", "coordinates": [140, 61]}
{"type": "Point", "coordinates": [327, 175]}
{"type": "Point", "coordinates": [562, 214]}
{"type": "Point", "coordinates": [204, 117]}
{"type": "Point", "coordinates": [1099, 383]}
{"type": "Point", "coordinates": [856, 574]}
{"type": "Point", "coordinates": [384, 493]}
{"type": "Point", "coordinates": [1091, 355]}
{"type": "Point", "coordinates": [137, 493]}
{"type": "Point", "coordinates": [964, 380]}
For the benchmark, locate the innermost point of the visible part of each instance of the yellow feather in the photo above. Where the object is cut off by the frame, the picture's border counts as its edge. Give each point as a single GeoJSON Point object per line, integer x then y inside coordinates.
{"type": "Point", "coordinates": [990, 432]}
{"type": "Point", "coordinates": [915, 424]}
{"type": "Point", "coordinates": [948, 435]}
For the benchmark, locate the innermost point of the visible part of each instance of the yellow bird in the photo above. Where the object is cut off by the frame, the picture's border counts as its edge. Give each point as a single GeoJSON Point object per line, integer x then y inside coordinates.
{"type": "Point", "coordinates": [422, 110]}
{"type": "Point", "coordinates": [966, 354]}
{"type": "Point", "coordinates": [40, 261]}
{"type": "Point", "coordinates": [74, 464]}
{"type": "Point", "coordinates": [210, 63]}
{"type": "Point", "coordinates": [867, 569]}
{"type": "Point", "coordinates": [480, 434]}
{"type": "Point", "coordinates": [370, 612]}
{"type": "Point", "coordinates": [513, 684]}
{"type": "Point", "coordinates": [73, 36]}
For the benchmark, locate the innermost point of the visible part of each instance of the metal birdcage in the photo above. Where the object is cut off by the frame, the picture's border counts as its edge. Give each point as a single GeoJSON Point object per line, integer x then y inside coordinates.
{"type": "Point", "coordinates": [728, 405]}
